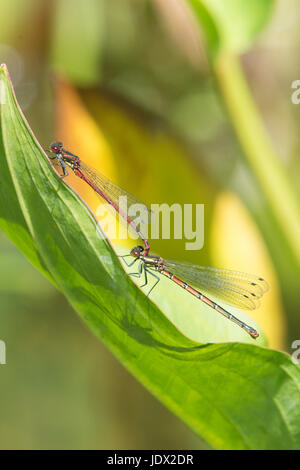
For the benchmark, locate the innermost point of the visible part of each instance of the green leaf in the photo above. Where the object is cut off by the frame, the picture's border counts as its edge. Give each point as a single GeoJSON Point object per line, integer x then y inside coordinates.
{"type": "Point", "coordinates": [235, 396]}
{"type": "Point", "coordinates": [232, 25]}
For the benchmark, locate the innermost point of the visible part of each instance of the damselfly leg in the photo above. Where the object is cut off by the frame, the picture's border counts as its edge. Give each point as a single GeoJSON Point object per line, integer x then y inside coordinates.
{"type": "Point", "coordinates": [61, 163]}
{"type": "Point", "coordinates": [142, 268]}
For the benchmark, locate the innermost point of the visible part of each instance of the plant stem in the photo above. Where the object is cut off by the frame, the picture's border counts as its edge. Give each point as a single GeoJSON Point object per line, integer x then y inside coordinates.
{"type": "Point", "coordinates": [258, 149]}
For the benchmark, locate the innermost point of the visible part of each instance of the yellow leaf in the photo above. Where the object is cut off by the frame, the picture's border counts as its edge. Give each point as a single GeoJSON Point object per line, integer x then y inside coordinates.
{"type": "Point", "coordinates": [237, 244]}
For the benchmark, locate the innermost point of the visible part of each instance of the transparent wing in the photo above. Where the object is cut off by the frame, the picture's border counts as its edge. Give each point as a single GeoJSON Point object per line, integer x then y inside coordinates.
{"type": "Point", "coordinates": [236, 288]}
{"type": "Point", "coordinates": [114, 192]}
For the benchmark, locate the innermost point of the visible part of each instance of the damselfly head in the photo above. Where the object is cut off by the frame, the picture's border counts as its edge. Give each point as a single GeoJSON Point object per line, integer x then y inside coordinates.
{"type": "Point", "coordinates": [137, 251]}
{"type": "Point", "coordinates": [56, 147]}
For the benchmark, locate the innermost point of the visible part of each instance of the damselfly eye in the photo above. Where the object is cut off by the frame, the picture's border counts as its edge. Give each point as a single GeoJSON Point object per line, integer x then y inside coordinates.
{"type": "Point", "coordinates": [56, 147]}
{"type": "Point", "coordinates": [136, 251]}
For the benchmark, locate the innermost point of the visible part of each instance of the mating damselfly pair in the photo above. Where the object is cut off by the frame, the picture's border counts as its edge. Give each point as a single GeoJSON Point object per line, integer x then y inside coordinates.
{"type": "Point", "coordinates": [235, 288]}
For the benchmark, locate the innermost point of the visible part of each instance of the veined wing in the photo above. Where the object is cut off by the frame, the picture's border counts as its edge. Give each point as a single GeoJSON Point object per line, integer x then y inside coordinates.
{"type": "Point", "coordinates": [236, 288]}
{"type": "Point", "coordinates": [113, 191]}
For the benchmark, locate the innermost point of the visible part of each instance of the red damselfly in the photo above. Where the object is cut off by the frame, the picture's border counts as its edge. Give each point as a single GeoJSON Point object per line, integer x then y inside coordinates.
{"type": "Point", "coordinates": [236, 288]}
{"type": "Point", "coordinates": [109, 191]}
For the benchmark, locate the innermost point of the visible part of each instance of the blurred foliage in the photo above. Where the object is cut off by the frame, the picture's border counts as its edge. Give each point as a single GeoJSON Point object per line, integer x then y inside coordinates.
{"type": "Point", "coordinates": [235, 23]}
{"type": "Point", "coordinates": [78, 35]}
{"type": "Point", "coordinates": [135, 72]}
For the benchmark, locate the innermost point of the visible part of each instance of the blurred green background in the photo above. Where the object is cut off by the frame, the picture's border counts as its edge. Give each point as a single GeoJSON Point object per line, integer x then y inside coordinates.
{"type": "Point", "coordinates": [131, 78]}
